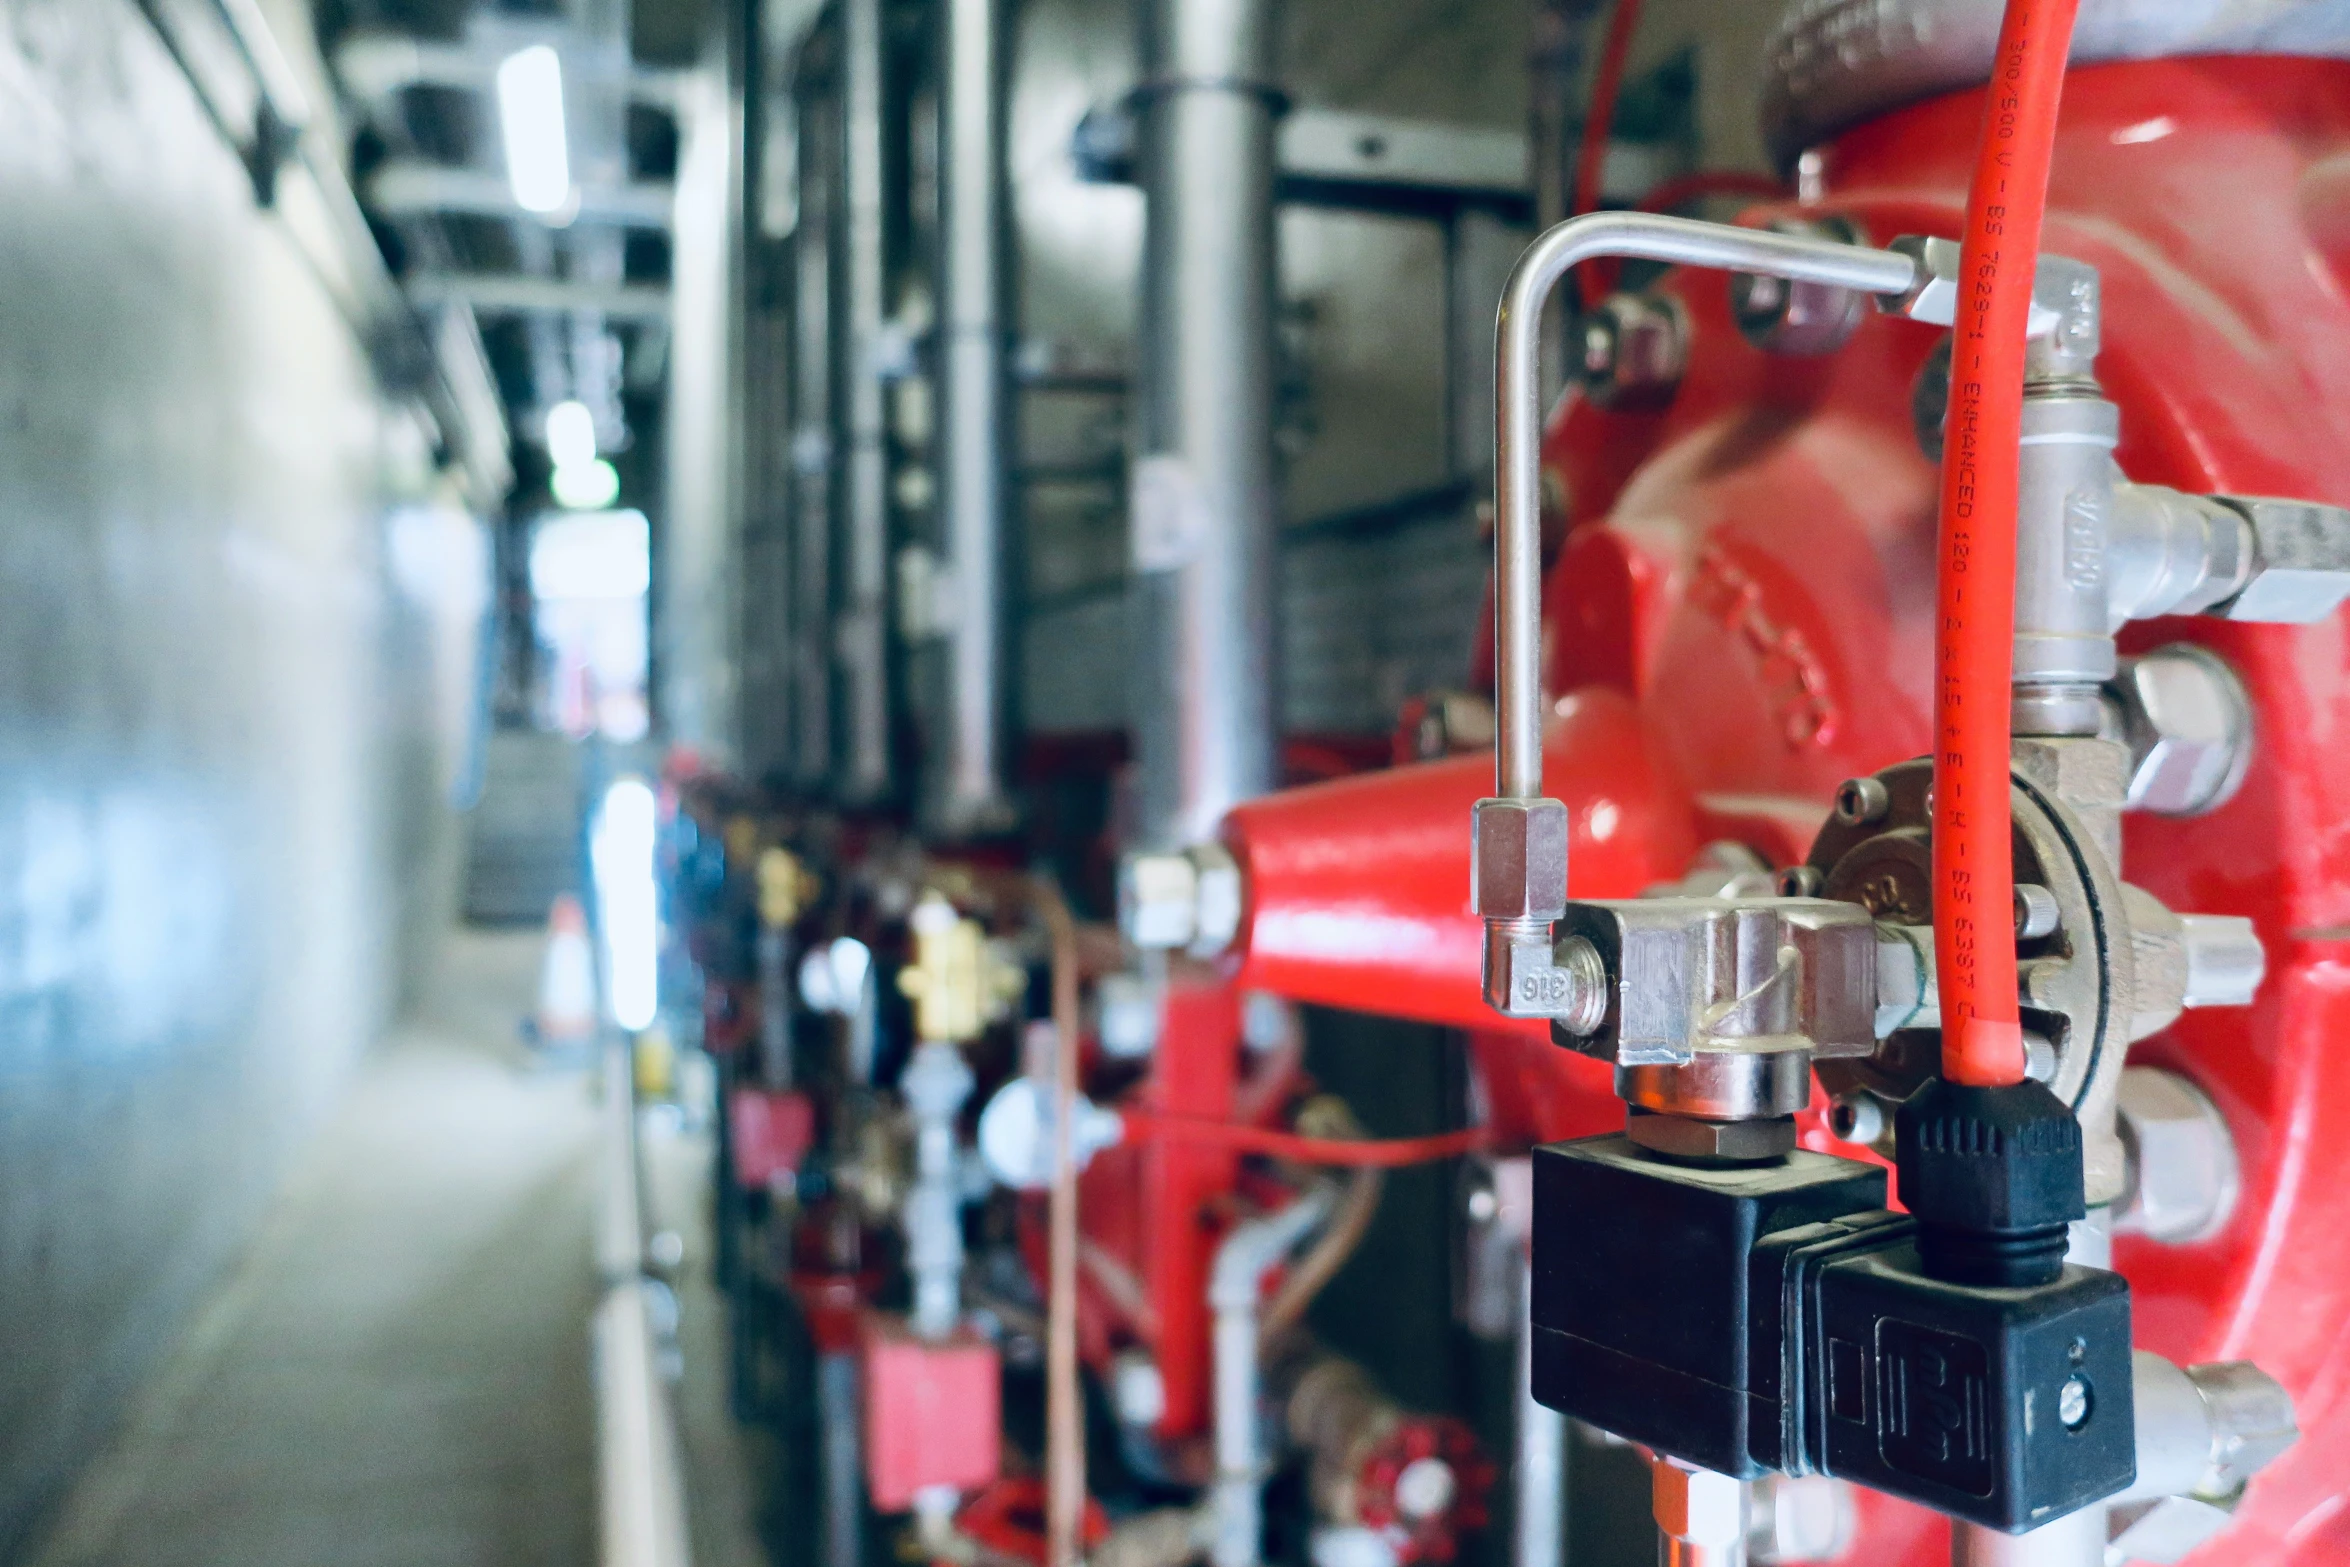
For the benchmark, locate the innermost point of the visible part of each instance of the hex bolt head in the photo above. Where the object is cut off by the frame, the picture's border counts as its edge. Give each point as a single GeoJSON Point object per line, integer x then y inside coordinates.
{"type": "Point", "coordinates": [2182, 1176]}
{"type": "Point", "coordinates": [1860, 801]}
{"type": "Point", "coordinates": [1801, 881]}
{"type": "Point", "coordinates": [2188, 723]}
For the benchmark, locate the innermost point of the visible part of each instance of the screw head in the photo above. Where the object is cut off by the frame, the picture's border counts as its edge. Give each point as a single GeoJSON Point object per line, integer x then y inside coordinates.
{"type": "Point", "coordinates": [1801, 881]}
{"type": "Point", "coordinates": [2073, 1402]}
{"type": "Point", "coordinates": [1857, 1118]}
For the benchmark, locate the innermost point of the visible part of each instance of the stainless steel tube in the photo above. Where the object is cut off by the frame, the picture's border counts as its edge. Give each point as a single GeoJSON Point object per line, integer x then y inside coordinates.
{"type": "Point", "coordinates": [1203, 514]}
{"type": "Point", "coordinates": [1541, 1470]}
{"type": "Point", "coordinates": [1234, 1525]}
{"type": "Point", "coordinates": [2076, 1540]}
{"type": "Point", "coordinates": [1517, 538]}
{"type": "Point", "coordinates": [837, 1411]}
{"type": "Point", "coordinates": [812, 449]}
{"type": "Point", "coordinates": [968, 787]}
{"type": "Point", "coordinates": [640, 1482]}
{"type": "Point", "coordinates": [864, 632]}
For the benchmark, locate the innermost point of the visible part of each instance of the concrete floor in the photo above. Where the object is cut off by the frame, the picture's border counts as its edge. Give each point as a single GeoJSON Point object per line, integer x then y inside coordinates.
{"type": "Point", "coordinates": [398, 1370]}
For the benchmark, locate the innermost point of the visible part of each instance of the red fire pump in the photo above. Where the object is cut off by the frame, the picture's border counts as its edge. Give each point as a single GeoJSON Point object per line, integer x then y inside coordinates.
{"type": "Point", "coordinates": [1738, 618]}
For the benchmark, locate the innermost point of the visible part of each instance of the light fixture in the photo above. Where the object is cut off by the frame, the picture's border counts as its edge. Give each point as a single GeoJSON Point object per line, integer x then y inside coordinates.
{"type": "Point", "coordinates": [588, 486]}
{"type": "Point", "coordinates": [530, 116]}
{"type": "Point", "coordinates": [628, 901]}
{"type": "Point", "coordinates": [571, 435]}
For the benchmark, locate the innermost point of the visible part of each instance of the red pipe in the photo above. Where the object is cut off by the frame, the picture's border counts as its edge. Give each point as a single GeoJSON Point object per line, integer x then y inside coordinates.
{"type": "Point", "coordinates": [1599, 118]}
{"type": "Point", "coordinates": [1974, 876]}
{"type": "Point", "coordinates": [1358, 890]}
{"type": "Point", "coordinates": [1682, 189]}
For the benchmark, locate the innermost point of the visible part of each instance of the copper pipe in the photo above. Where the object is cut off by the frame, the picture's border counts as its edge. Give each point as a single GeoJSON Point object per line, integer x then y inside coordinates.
{"type": "Point", "coordinates": [1064, 1405]}
{"type": "Point", "coordinates": [1114, 1279]}
{"type": "Point", "coordinates": [1317, 1267]}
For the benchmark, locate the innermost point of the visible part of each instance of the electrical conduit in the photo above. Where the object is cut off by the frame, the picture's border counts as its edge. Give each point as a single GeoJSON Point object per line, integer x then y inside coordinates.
{"type": "Point", "coordinates": [1253, 1249]}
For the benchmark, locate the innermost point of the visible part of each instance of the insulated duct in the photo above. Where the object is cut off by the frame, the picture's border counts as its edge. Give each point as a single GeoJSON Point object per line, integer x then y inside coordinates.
{"type": "Point", "coordinates": [967, 786]}
{"type": "Point", "coordinates": [864, 626]}
{"type": "Point", "coordinates": [812, 446]}
{"type": "Point", "coordinates": [1202, 518]}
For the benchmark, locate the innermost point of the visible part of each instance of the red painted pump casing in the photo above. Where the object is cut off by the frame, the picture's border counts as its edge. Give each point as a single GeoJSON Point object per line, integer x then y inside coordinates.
{"type": "Point", "coordinates": [1740, 618]}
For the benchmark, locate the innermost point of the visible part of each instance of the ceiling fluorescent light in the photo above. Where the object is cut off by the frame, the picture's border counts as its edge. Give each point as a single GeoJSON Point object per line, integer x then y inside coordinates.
{"type": "Point", "coordinates": [530, 115]}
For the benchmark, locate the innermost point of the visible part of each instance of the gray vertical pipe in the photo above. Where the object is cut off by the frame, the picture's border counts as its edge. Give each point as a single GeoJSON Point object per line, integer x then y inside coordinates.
{"type": "Point", "coordinates": [864, 630]}
{"type": "Point", "coordinates": [812, 452]}
{"type": "Point", "coordinates": [1540, 1471]}
{"type": "Point", "coordinates": [1203, 514]}
{"type": "Point", "coordinates": [968, 781]}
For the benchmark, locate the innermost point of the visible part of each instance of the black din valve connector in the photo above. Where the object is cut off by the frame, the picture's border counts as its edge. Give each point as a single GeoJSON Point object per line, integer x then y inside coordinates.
{"type": "Point", "coordinates": [1776, 1315]}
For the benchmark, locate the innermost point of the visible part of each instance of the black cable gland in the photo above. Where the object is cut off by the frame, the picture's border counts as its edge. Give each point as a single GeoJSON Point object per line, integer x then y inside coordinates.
{"type": "Point", "coordinates": [1993, 1177]}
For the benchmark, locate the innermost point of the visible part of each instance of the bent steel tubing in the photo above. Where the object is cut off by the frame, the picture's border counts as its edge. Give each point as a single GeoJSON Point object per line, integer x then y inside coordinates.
{"type": "Point", "coordinates": [1517, 533]}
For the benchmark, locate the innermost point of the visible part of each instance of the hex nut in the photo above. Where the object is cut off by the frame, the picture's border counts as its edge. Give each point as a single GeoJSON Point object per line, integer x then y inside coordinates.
{"type": "Point", "coordinates": [1158, 901]}
{"type": "Point", "coordinates": [1803, 319]}
{"type": "Point", "coordinates": [2182, 1176]}
{"type": "Point", "coordinates": [1806, 320]}
{"type": "Point", "coordinates": [2300, 561]}
{"type": "Point", "coordinates": [1730, 1142]}
{"type": "Point", "coordinates": [1632, 351]}
{"type": "Point", "coordinates": [2188, 724]}
{"type": "Point", "coordinates": [1520, 870]}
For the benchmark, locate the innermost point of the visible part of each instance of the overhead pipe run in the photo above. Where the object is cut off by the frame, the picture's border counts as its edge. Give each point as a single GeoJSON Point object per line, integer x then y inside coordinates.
{"type": "Point", "coordinates": [864, 623]}
{"type": "Point", "coordinates": [811, 444]}
{"type": "Point", "coordinates": [1202, 517]}
{"type": "Point", "coordinates": [407, 186]}
{"type": "Point", "coordinates": [968, 792]}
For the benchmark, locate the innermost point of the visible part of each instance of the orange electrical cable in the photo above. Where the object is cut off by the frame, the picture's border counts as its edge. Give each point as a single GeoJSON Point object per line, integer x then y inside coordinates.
{"type": "Point", "coordinates": [1974, 875]}
{"type": "Point", "coordinates": [1379, 1153]}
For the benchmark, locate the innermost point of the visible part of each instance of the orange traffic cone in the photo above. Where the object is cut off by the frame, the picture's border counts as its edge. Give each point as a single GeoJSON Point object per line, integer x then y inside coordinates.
{"type": "Point", "coordinates": [567, 979]}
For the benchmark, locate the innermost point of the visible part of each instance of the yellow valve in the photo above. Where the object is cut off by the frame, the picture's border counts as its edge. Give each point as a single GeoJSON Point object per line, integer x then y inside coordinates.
{"type": "Point", "coordinates": [738, 835]}
{"type": "Point", "coordinates": [655, 1063]}
{"type": "Point", "coordinates": [957, 982]}
{"type": "Point", "coordinates": [785, 887]}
